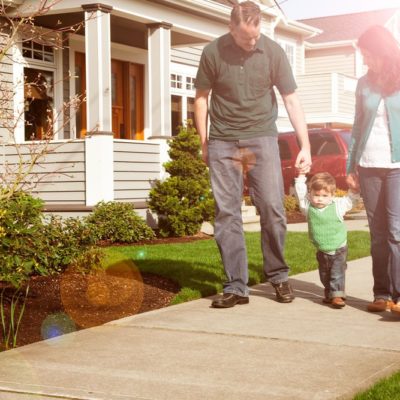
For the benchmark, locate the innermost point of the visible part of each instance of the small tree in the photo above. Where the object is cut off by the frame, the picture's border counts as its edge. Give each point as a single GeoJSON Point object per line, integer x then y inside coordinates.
{"type": "Point", "coordinates": [184, 200]}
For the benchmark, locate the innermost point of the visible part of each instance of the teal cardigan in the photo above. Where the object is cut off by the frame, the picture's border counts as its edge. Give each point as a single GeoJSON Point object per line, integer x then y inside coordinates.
{"type": "Point", "coordinates": [367, 103]}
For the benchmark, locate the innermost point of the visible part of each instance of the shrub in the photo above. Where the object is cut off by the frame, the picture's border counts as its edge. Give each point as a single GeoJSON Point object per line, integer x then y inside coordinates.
{"type": "Point", "coordinates": [68, 242]}
{"type": "Point", "coordinates": [31, 244]}
{"type": "Point", "coordinates": [118, 222]}
{"type": "Point", "coordinates": [290, 203]}
{"type": "Point", "coordinates": [184, 200]}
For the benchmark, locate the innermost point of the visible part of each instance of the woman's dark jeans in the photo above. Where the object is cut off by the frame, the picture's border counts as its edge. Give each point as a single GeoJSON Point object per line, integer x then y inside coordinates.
{"type": "Point", "coordinates": [380, 189]}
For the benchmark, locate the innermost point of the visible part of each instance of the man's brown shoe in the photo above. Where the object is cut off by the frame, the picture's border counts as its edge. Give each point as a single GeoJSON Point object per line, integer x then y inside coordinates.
{"type": "Point", "coordinates": [380, 305]}
{"type": "Point", "coordinates": [284, 292]}
{"type": "Point", "coordinates": [229, 300]}
{"type": "Point", "coordinates": [337, 302]}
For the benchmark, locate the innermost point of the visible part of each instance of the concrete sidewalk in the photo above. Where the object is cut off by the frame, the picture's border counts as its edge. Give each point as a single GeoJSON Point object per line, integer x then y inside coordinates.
{"type": "Point", "coordinates": [263, 350]}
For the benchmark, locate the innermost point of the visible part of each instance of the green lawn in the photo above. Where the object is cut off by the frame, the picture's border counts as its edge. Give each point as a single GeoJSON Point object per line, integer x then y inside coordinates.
{"type": "Point", "coordinates": [197, 267]}
{"type": "Point", "coordinates": [386, 389]}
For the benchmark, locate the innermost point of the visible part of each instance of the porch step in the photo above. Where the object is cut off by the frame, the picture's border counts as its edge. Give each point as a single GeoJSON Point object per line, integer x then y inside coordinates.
{"type": "Point", "coordinates": [248, 211]}
{"type": "Point", "coordinates": [251, 221]}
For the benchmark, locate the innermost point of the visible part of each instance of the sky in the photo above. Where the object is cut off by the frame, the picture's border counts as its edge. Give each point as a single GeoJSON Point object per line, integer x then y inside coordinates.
{"type": "Point", "coordinates": [301, 9]}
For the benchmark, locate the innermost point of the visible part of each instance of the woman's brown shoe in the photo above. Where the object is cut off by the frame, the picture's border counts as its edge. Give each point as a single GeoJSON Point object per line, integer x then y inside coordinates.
{"type": "Point", "coordinates": [380, 305]}
{"type": "Point", "coordinates": [396, 308]}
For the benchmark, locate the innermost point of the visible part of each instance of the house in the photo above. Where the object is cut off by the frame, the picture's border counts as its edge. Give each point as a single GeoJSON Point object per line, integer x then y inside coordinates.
{"type": "Point", "coordinates": [134, 62]}
{"type": "Point", "coordinates": [333, 64]}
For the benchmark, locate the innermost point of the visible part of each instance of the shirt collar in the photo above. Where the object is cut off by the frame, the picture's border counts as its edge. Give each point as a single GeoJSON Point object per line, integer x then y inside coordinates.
{"type": "Point", "coordinates": [231, 42]}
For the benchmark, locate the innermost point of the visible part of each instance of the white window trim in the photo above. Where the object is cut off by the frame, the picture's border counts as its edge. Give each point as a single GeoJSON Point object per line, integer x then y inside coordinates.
{"type": "Point", "coordinates": [56, 68]}
{"type": "Point", "coordinates": [283, 42]}
{"type": "Point", "coordinates": [184, 71]}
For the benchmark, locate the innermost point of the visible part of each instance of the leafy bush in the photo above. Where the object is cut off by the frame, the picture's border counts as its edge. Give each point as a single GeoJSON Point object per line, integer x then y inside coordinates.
{"type": "Point", "coordinates": [118, 222]}
{"type": "Point", "coordinates": [290, 203]}
{"type": "Point", "coordinates": [184, 200]}
{"type": "Point", "coordinates": [30, 244]}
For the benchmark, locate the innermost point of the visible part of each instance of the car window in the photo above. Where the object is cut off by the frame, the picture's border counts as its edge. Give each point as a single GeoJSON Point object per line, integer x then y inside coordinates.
{"type": "Point", "coordinates": [323, 145]}
{"type": "Point", "coordinates": [284, 150]}
{"type": "Point", "coordinates": [346, 136]}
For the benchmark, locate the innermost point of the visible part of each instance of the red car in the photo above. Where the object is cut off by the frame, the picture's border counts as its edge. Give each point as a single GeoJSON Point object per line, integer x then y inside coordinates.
{"type": "Point", "coordinates": [328, 151]}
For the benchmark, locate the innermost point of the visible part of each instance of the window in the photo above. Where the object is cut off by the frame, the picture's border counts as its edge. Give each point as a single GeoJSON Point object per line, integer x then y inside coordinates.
{"type": "Point", "coordinates": [189, 83]}
{"type": "Point", "coordinates": [323, 145]}
{"type": "Point", "coordinates": [37, 51]}
{"type": "Point", "coordinates": [39, 90]}
{"type": "Point", "coordinates": [176, 114]}
{"type": "Point", "coordinates": [39, 103]}
{"type": "Point", "coordinates": [176, 81]}
{"type": "Point", "coordinates": [290, 50]}
{"type": "Point", "coordinates": [182, 100]}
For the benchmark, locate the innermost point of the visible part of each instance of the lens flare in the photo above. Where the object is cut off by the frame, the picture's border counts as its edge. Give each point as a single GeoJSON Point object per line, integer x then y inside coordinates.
{"type": "Point", "coordinates": [102, 296]}
{"type": "Point", "coordinates": [141, 254]}
{"type": "Point", "coordinates": [56, 325]}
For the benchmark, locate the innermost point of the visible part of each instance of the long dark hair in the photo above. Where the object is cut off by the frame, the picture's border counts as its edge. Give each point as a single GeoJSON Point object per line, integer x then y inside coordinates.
{"type": "Point", "coordinates": [381, 44]}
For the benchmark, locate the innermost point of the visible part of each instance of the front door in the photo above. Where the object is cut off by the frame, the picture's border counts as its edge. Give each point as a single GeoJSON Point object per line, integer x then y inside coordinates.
{"type": "Point", "coordinates": [127, 90]}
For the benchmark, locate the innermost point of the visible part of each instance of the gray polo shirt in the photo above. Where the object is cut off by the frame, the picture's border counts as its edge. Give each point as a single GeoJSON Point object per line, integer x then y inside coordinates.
{"type": "Point", "coordinates": [243, 102]}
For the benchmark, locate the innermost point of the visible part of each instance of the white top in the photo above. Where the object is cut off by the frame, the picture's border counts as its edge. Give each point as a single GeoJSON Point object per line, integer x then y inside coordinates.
{"type": "Point", "coordinates": [377, 151]}
{"type": "Point", "coordinates": [343, 204]}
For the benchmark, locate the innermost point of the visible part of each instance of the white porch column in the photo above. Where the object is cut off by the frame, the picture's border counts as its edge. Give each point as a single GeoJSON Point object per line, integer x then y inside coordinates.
{"type": "Point", "coordinates": [99, 139]}
{"type": "Point", "coordinates": [159, 45]}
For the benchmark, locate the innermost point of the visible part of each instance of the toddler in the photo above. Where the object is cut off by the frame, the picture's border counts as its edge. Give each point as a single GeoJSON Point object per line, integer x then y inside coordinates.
{"type": "Point", "coordinates": [327, 230]}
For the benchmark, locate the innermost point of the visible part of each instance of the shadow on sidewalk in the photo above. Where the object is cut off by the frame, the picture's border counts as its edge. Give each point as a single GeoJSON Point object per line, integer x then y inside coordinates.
{"type": "Point", "coordinates": [309, 291]}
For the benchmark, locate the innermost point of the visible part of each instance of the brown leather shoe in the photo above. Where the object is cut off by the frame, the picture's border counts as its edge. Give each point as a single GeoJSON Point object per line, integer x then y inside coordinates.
{"type": "Point", "coordinates": [380, 305]}
{"type": "Point", "coordinates": [395, 309]}
{"type": "Point", "coordinates": [284, 292]}
{"type": "Point", "coordinates": [337, 302]}
{"type": "Point", "coordinates": [228, 300]}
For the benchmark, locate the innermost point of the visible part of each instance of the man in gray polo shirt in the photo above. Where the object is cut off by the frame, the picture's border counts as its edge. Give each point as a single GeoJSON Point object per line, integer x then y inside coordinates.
{"type": "Point", "coordinates": [240, 70]}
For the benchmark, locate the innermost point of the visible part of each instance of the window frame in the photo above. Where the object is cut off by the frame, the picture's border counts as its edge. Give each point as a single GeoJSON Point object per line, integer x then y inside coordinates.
{"type": "Point", "coordinates": [54, 67]}
{"type": "Point", "coordinates": [286, 44]}
{"type": "Point", "coordinates": [188, 76]}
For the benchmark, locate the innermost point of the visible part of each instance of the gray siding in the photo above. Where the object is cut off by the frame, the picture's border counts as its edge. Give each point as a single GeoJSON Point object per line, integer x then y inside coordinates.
{"type": "Point", "coordinates": [186, 55]}
{"type": "Point", "coordinates": [61, 173]}
{"type": "Point", "coordinates": [339, 60]}
{"type": "Point", "coordinates": [136, 165]}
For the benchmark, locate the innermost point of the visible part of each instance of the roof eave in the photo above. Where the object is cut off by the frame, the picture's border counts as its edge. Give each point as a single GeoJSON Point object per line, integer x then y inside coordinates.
{"type": "Point", "coordinates": [325, 45]}
{"type": "Point", "coordinates": [307, 31]}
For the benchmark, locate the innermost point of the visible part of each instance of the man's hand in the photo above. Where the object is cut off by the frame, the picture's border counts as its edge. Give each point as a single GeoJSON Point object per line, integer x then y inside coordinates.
{"type": "Point", "coordinates": [204, 152]}
{"type": "Point", "coordinates": [303, 162]}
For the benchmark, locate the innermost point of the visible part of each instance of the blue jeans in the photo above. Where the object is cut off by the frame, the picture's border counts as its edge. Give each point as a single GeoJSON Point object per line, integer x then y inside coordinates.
{"type": "Point", "coordinates": [380, 189]}
{"type": "Point", "coordinates": [332, 269]}
{"type": "Point", "coordinates": [259, 157]}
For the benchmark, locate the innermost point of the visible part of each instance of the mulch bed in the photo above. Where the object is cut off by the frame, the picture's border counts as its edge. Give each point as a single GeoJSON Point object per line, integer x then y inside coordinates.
{"type": "Point", "coordinates": [71, 301]}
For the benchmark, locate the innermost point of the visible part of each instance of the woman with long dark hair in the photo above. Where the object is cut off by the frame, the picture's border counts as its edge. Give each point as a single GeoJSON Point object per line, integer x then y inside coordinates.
{"type": "Point", "coordinates": [374, 160]}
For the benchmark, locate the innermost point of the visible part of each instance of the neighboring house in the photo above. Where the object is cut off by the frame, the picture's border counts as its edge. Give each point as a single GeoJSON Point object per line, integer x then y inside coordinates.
{"type": "Point", "coordinates": [136, 62]}
{"type": "Point", "coordinates": [333, 63]}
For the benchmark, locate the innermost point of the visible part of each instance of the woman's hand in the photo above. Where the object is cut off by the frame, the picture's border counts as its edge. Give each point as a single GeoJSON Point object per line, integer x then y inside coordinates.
{"type": "Point", "coordinates": [353, 182]}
